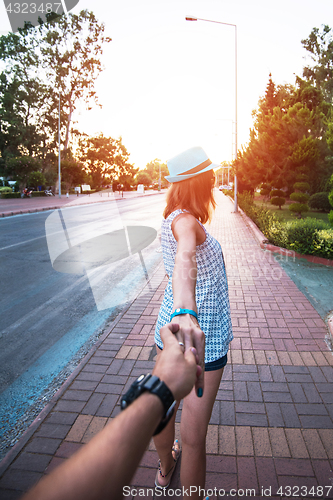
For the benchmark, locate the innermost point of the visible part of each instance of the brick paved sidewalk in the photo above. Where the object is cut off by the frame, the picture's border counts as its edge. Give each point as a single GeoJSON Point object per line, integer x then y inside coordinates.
{"type": "Point", "coordinates": [272, 421]}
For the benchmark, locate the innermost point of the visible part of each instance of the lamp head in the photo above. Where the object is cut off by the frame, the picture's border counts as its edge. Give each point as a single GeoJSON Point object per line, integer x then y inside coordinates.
{"type": "Point", "coordinates": [190, 18]}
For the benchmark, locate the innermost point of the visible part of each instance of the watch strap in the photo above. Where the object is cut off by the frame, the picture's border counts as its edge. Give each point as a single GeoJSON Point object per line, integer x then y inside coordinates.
{"type": "Point", "coordinates": [151, 383]}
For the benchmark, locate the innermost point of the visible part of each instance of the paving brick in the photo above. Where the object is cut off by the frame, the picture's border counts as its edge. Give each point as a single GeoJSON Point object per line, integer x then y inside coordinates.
{"type": "Point", "coordinates": [21, 480]}
{"type": "Point", "coordinates": [93, 404]}
{"type": "Point", "coordinates": [313, 443]}
{"type": "Point", "coordinates": [277, 397]}
{"type": "Point", "coordinates": [297, 393]}
{"type": "Point", "coordinates": [251, 419]}
{"type": "Point", "coordinates": [247, 474]}
{"type": "Point", "coordinates": [227, 413]}
{"type": "Point", "coordinates": [212, 439]}
{"type": "Point", "coordinates": [279, 443]}
{"type": "Point", "coordinates": [32, 462]}
{"type": "Point", "coordinates": [262, 447]}
{"type": "Point", "coordinates": [75, 395]}
{"type": "Point", "coordinates": [67, 449]}
{"type": "Point", "coordinates": [59, 417]}
{"type": "Point", "coordinates": [53, 430]}
{"type": "Point", "coordinates": [311, 409]}
{"type": "Point", "coordinates": [296, 443]}
{"type": "Point", "coordinates": [274, 415]}
{"type": "Point", "coordinates": [323, 472]}
{"type": "Point", "coordinates": [240, 391]}
{"type": "Point", "coordinates": [289, 414]}
{"type": "Point", "coordinates": [96, 425]}
{"type": "Point", "coordinates": [79, 428]}
{"type": "Point", "coordinates": [107, 406]}
{"type": "Point", "coordinates": [227, 440]}
{"type": "Point", "coordinates": [244, 443]}
{"type": "Point", "coordinates": [277, 374]}
{"type": "Point", "coordinates": [254, 391]}
{"type": "Point", "coordinates": [41, 445]}
{"type": "Point", "coordinates": [265, 374]}
{"type": "Point", "coordinates": [293, 467]}
{"type": "Point", "coordinates": [267, 477]}
{"type": "Point", "coordinates": [316, 422]}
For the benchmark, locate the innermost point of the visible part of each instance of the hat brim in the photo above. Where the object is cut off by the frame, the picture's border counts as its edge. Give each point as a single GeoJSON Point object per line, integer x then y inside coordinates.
{"type": "Point", "coordinates": [179, 178]}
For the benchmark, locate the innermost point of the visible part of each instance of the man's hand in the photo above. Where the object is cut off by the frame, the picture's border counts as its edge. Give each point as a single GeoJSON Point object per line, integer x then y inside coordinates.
{"type": "Point", "coordinates": [180, 367]}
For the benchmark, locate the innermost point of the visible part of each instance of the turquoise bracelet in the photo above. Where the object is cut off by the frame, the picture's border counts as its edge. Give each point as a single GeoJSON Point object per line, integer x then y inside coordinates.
{"type": "Point", "coordinates": [179, 311]}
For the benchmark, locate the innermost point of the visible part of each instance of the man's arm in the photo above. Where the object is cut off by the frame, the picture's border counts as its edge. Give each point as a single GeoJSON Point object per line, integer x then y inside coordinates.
{"type": "Point", "coordinates": [100, 469]}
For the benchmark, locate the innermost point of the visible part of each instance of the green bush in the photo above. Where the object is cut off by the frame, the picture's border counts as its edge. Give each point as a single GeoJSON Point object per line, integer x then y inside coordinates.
{"type": "Point", "coordinates": [324, 247]}
{"type": "Point", "coordinates": [302, 235]}
{"type": "Point", "coordinates": [278, 201]}
{"type": "Point", "coordinates": [319, 201]}
{"type": "Point", "coordinates": [266, 220]}
{"type": "Point", "coordinates": [298, 208]}
{"type": "Point", "coordinates": [299, 197]}
{"type": "Point", "coordinates": [6, 189]}
{"type": "Point", "coordinates": [330, 197]}
{"type": "Point", "coordinates": [330, 218]}
{"type": "Point", "coordinates": [36, 194]}
{"type": "Point", "coordinates": [302, 186]}
{"type": "Point", "coordinates": [10, 195]}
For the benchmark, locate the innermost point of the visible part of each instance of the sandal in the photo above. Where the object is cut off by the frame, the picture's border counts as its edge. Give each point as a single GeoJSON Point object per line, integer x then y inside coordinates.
{"type": "Point", "coordinates": [176, 454]}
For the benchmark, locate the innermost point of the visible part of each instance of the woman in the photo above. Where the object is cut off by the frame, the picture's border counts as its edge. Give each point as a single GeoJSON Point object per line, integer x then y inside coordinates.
{"type": "Point", "coordinates": [196, 293]}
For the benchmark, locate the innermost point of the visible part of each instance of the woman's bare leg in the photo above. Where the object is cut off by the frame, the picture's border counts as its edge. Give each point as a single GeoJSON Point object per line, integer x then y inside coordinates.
{"type": "Point", "coordinates": [196, 414]}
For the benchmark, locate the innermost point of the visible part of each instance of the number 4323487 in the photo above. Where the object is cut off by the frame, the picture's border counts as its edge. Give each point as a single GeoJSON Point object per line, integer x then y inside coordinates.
{"type": "Point", "coordinates": [31, 8]}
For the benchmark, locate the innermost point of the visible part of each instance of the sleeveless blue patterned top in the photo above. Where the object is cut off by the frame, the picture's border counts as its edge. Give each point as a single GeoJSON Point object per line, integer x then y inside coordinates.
{"type": "Point", "coordinates": [211, 291]}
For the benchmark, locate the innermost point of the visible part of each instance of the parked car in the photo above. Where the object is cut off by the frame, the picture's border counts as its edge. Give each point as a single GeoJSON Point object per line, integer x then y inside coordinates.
{"type": "Point", "coordinates": [229, 188]}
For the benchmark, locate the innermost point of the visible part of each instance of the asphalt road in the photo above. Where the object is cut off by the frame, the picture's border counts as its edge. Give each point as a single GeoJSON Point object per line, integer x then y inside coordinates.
{"type": "Point", "coordinates": [51, 315]}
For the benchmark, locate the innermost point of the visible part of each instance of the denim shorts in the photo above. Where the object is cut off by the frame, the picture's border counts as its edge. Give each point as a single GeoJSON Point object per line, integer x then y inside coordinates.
{"type": "Point", "coordinates": [217, 364]}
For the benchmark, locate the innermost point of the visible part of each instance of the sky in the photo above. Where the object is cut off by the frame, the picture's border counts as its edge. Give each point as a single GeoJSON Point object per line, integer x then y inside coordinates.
{"type": "Point", "coordinates": [169, 84]}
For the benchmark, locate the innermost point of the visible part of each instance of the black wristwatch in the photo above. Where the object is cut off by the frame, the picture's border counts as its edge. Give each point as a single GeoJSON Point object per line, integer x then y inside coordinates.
{"type": "Point", "coordinates": [154, 385]}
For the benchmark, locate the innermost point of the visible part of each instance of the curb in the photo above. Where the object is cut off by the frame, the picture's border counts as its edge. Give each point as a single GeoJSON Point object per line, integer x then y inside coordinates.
{"type": "Point", "coordinates": [56, 207]}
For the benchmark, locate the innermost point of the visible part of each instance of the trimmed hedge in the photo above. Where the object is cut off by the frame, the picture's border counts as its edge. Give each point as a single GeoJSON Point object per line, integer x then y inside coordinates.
{"type": "Point", "coordinates": [278, 201]}
{"type": "Point", "coordinates": [298, 208]}
{"type": "Point", "coordinates": [302, 235]}
{"type": "Point", "coordinates": [36, 194]}
{"type": "Point", "coordinates": [306, 236]}
{"type": "Point", "coordinates": [324, 246]}
{"type": "Point", "coordinates": [302, 186]}
{"type": "Point", "coordinates": [320, 201]}
{"type": "Point", "coordinates": [277, 193]}
{"type": "Point", "coordinates": [10, 195]}
{"type": "Point", "coordinates": [299, 197]}
{"type": "Point", "coordinates": [5, 189]}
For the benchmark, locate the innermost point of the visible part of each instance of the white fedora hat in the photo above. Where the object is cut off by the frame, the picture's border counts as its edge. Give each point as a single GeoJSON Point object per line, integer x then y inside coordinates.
{"type": "Point", "coordinates": [191, 162]}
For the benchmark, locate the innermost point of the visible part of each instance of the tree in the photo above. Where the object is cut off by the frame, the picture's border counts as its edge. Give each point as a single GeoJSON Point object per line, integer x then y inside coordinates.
{"type": "Point", "coordinates": [143, 178]}
{"type": "Point", "coordinates": [36, 179]}
{"type": "Point", "coordinates": [320, 46]}
{"type": "Point", "coordinates": [20, 168]}
{"type": "Point", "coordinates": [288, 141]}
{"type": "Point", "coordinates": [72, 172]}
{"type": "Point", "coordinates": [60, 56]}
{"type": "Point", "coordinates": [105, 158]}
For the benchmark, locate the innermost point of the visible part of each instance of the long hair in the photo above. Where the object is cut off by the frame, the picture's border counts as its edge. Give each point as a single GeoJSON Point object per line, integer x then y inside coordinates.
{"type": "Point", "coordinates": [194, 194]}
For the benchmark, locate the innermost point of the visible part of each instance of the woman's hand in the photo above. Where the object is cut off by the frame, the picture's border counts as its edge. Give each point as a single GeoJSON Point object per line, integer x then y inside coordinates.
{"type": "Point", "coordinates": [181, 367]}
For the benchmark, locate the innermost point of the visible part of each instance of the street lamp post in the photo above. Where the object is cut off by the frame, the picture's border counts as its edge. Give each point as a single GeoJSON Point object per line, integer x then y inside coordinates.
{"type": "Point", "coordinates": [191, 18]}
{"type": "Point", "coordinates": [59, 151]}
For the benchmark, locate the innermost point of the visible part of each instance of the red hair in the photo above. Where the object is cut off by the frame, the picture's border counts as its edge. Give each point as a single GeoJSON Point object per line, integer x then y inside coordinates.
{"type": "Point", "coordinates": [194, 194]}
